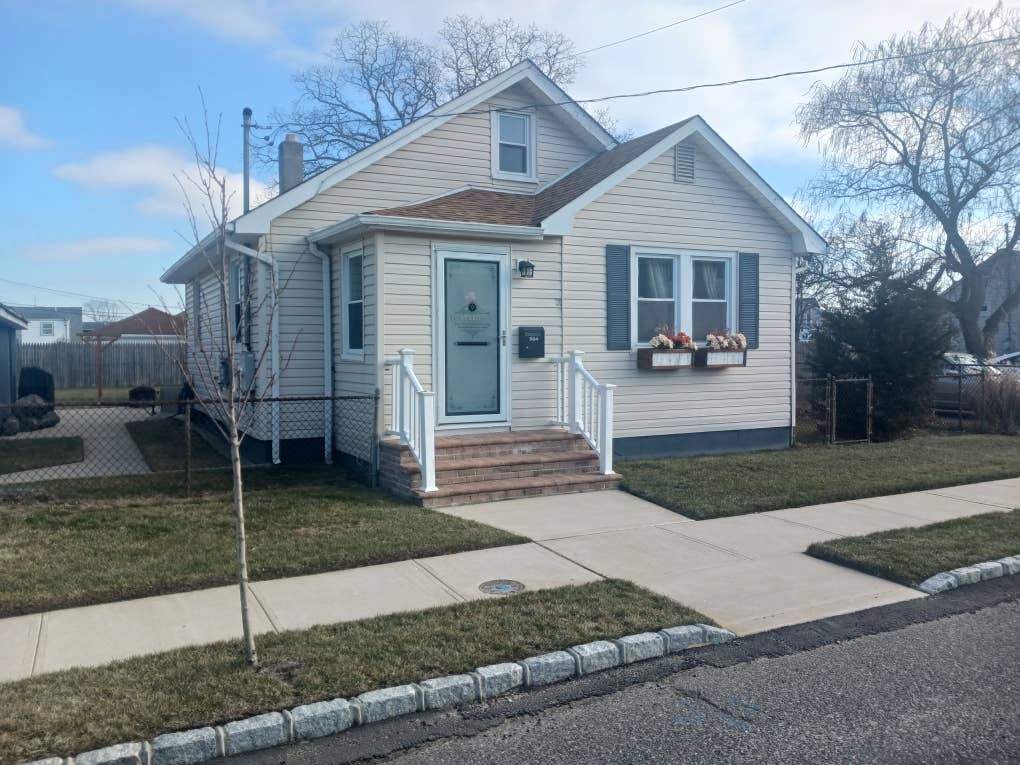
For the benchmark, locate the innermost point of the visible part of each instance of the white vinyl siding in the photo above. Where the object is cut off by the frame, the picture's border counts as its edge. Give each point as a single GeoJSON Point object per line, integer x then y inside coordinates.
{"type": "Point", "coordinates": [651, 212]}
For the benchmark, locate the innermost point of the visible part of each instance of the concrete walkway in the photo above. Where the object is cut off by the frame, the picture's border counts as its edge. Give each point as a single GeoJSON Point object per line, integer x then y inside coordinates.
{"type": "Point", "coordinates": [108, 448]}
{"type": "Point", "coordinates": [747, 572]}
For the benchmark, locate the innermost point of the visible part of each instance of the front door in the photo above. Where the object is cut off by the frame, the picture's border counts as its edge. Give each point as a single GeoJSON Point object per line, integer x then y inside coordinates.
{"type": "Point", "coordinates": [472, 359]}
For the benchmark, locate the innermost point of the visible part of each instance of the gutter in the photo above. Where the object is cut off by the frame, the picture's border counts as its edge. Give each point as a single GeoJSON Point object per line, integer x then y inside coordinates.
{"type": "Point", "coordinates": [327, 347]}
{"type": "Point", "coordinates": [356, 223]}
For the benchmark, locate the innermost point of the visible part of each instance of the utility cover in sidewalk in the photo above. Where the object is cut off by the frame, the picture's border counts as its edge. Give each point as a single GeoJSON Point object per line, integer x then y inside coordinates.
{"type": "Point", "coordinates": [501, 587]}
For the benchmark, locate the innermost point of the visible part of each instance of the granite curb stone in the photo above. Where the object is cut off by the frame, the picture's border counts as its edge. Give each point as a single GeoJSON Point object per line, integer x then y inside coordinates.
{"type": "Point", "coordinates": [118, 754]}
{"type": "Point", "coordinates": [595, 657]}
{"type": "Point", "coordinates": [979, 572]}
{"type": "Point", "coordinates": [323, 718]}
{"type": "Point", "coordinates": [640, 647]}
{"type": "Point", "coordinates": [681, 638]}
{"type": "Point", "coordinates": [184, 748]}
{"type": "Point", "coordinates": [254, 733]}
{"type": "Point", "coordinates": [384, 703]}
{"type": "Point", "coordinates": [548, 668]}
{"type": "Point", "coordinates": [442, 692]}
{"type": "Point", "coordinates": [496, 679]}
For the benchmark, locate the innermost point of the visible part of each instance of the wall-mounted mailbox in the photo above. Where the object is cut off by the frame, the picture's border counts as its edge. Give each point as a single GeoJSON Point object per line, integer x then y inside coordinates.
{"type": "Point", "coordinates": [531, 342]}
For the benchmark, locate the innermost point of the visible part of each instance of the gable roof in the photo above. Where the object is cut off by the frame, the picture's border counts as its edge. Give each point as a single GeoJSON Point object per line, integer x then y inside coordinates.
{"type": "Point", "coordinates": [151, 321]}
{"type": "Point", "coordinates": [258, 220]}
{"type": "Point", "coordinates": [10, 317]}
{"type": "Point", "coordinates": [553, 208]}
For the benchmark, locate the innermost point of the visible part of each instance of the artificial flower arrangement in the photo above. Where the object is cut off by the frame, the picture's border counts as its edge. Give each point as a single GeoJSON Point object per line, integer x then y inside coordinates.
{"type": "Point", "coordinates": [667, 350]}
{"type": "Point", "coordinates": [724, 341]}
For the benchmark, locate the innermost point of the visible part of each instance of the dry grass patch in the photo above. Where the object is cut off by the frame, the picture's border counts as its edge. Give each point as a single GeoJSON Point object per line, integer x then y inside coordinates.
{"type": "Point", "coordinates": [30, 453]}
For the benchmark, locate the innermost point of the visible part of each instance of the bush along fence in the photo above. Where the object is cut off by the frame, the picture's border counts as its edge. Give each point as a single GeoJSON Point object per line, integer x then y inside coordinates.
{"type": "Point", "coordinates": [978, 397]}
{"type": "Point", "coordinates": [334, 716]}
{"type": "Point", "coordinates": [835, 410]}
{"type": "Point", "coordinates": [43, 441]}
{"type": "Point", "coordinates": [125, 364]}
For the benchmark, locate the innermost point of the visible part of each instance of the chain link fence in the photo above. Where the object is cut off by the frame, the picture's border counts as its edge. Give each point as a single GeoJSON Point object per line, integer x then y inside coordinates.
{"type": "Point", "coordinates": [834, 410]}
{"type": "Point", "coordinates": [977, 397]}
{"type": "Point", "coordinates": [40, 441]}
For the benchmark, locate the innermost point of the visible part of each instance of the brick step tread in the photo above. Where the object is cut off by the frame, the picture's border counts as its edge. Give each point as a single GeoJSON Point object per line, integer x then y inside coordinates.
{"type": "Point", "coordinates": [512, 484]}
{"type": "Point", "coordinates": [499, 496]}
{"type": "Point", "coordinates": [453, 478]}
{"type": "Point", "coordinates": [509, 438]}
{"type": "Point", "coordinates": [519, 461]}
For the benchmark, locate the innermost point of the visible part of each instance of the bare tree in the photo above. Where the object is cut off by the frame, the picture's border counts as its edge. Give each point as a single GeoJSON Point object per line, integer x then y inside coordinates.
{"type": "Point", "coordinates": [229, 370]}
{"type": "Point", "coordinates": [100, 309]}
{"type": "Point", "coordinates": [931, 134]}
{"type": "Point", "coordinates": [377, 81]}
{"type": "Point", "coordinates": [476, 50]}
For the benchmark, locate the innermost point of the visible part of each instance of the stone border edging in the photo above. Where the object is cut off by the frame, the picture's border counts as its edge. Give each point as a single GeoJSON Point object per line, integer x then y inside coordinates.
{"type": "Point", "coordinates": [327, 718]}
{"type": "Point", "coordinates": [950, 580]}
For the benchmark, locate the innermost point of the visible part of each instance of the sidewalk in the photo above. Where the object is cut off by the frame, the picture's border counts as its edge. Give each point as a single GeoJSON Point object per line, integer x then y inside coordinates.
{"type": "Point", "coordinates": [749, 573]}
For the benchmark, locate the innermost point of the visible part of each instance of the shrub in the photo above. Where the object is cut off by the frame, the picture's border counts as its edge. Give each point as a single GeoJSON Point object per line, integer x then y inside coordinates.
{"type": "Point", "coordinates": [896, 335]}
{"type": "Point", "coordinates": [36, 381]}
{"type": "Point", "coordinates": [997, 408]}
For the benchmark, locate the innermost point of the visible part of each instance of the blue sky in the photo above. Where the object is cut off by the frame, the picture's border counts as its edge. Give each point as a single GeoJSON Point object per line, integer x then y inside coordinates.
{"type": "Point", "coordinates": [89, 142]}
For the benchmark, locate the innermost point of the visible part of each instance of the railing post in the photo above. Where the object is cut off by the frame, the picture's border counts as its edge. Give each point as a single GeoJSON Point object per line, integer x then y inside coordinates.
{"type": "Point", "coordinates": [407, 369]}
{"type": "Point", "coordinates": [394, 398]}
{"type": "Point", "coordinates": [607, 395]}
{"type": "Point", "coordinates": [187, 449]}
{"type": "Point", "coordinates": [427, 433]}
{"type": "Point", "coordinates": [574, 390]}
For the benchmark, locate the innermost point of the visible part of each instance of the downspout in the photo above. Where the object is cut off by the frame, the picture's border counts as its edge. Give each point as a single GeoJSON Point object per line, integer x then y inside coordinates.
{"type": "Point", "coordinates": [274, 350]}
{"type": "Point", "coordinates": [327, 347]}
{"type": "Point", "coordinates": [795, 342]}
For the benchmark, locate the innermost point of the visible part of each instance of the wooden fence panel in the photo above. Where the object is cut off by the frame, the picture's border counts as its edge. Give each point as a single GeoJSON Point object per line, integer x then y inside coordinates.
{"type": "Point", "coordinates": [73, 365]}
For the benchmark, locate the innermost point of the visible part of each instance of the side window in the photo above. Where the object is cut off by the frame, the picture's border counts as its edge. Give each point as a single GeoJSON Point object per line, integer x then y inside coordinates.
{"type": "Point", "coordinates": [710, 307]}
{"type": "Point", "coordinates": [656, 295]}
{"type": "Point", "coordinates": [353, 302]}
{"type": "Point", "coordinates": [236, 299]}
{"type": "Point", "coordinates": [513, 145]}
{"type": "Point", "coordinates": [46, 329]}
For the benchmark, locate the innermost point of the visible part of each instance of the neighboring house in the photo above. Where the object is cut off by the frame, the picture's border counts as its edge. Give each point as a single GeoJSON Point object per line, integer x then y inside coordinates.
{"type": "Point", "coordinates": [507, 211]}
{"type": "Point", "coordinates": [11, 323]}
{"type": "Point", "coordinates": [149, 326]}
{"type": "Point", "coordinates": [1002, 277]}
{"type": "Point", "coordinates": [809, 317]}
{"type": "Point", "coordinates": [50, 325]}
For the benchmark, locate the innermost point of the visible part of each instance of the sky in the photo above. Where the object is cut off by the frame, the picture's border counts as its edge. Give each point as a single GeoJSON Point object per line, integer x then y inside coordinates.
{"type": "Point", "coordinates": [93, 91]}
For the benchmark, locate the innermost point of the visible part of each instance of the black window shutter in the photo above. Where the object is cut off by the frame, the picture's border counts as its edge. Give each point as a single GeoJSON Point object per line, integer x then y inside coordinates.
{"type": "Point", "coordinates": [618, 297]}
{"type": "Point", "coordinates": [747, 297]}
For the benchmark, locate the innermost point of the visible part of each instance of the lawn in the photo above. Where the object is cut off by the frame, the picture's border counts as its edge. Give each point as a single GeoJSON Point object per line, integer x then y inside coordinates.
{"type": "Point", "coordinates": [71, 551]}
{"type": "Point", "coordinates": [29, 453]}
{"type": "Point", "coordinates": [71, 711]}
{"type": "Point", "coordinates": [162, 444]}
{"type": "Point", "coordinates": [734, 484]}
{"type": "Point", "coordinates": [909, 556]}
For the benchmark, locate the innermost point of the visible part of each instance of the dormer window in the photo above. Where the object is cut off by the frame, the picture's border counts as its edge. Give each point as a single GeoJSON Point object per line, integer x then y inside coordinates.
{"type": "Point", "coordinates": [513, 146]}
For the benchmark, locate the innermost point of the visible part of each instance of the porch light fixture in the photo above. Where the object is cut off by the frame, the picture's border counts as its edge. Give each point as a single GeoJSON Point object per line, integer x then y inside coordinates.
{"type": "Point", "coordinates": [526, 269]}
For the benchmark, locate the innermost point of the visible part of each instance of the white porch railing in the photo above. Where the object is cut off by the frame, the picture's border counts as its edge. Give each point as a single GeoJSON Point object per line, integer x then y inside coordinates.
{"type": "Point", "coordinates": [413, 416]}
{"type": "Point", "coordinates": [585, 406]}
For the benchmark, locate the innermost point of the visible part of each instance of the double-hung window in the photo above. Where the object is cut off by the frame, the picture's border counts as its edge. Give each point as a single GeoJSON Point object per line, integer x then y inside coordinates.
{"type": "Point", "coordinates": [353, 305]}
{"type": "Point", "coordinates": [46, 329]}
{"type": "Point", "coordinates": [513, 145]}
{"type": "Point", "coordinates": [240, 304]}
{"type": "Point", "coordinates": [686, 291]}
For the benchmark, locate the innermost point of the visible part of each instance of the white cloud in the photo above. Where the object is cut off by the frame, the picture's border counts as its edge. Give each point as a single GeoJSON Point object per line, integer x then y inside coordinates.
{"type": "Point", "coordinates": [241, 20]}
{"type": "Point", "coordinates": [13, 132]}
{"type": "Point", "coordinates": [153, 171]}
{"type": "Point", "coordinates": [100, 247]}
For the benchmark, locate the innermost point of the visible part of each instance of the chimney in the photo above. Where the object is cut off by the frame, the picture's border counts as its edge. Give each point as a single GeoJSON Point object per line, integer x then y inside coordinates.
{"type": "Point", "coordinates": [292, 163]}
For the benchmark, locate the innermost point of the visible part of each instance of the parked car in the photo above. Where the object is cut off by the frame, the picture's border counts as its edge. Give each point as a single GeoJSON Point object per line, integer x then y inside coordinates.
{"type": "Point", "coordinates": [958, 384]}
{"type": "Point", "coordinates": [1008, 363]}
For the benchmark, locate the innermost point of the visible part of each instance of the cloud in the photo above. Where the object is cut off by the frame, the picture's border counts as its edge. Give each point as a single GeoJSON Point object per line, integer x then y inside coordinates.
{"type": "Point", "coordinates": [157, 173]}
{"type": "Point", "coordinates": [14, 134]}
{"type": "Point", "coordinates": [235, 20]}
{"type": "Point", "coordinates": [100, 247]}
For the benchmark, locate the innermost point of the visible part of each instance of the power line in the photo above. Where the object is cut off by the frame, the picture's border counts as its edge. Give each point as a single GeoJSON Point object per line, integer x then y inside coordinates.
{"type": "Point", "coordinates": [69, 293]}
{"type": "Point", "coordinates": [659, 29]}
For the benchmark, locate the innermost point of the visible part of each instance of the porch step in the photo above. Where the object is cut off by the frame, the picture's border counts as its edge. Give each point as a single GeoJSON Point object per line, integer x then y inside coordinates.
{"type": "Point", "coordinates": [516, 488]}
{"type": "Point", "coordinates": [481, 467]}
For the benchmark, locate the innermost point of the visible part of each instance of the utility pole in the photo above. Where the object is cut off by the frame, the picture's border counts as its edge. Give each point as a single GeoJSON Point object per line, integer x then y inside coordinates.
{"type": "Point", "coordinates": [247, 158]}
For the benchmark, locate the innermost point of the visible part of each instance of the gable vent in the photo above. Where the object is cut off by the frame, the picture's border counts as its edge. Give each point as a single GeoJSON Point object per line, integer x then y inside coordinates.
{"type": "Point", "coordinates": [683, 168]}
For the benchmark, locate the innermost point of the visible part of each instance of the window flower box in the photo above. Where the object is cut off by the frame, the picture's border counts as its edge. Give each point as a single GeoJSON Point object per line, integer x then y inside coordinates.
{"type": "Point", "coordinates": [709, 358]}
{"type": "Point", "coordinates": [664, 358]}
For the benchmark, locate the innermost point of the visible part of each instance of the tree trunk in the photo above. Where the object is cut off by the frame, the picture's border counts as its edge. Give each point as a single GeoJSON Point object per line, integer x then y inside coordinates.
{"type": "Point", "coordinates": [242, 555]}
{"type": "Point", "coordinates": [968, 313]}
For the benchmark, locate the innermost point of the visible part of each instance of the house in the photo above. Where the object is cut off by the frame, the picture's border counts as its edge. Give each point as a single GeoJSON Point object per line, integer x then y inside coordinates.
{"type": "Point", "coordinates": [493, 269]}
{"type": "Point", "coordinates": [1002, 278]}
{"type": "Point", "coordinates": [50, 324]}
{"type": "Point", "coordinates": [809, 317]}
{"type": "Point", "coordinates": [11, 323]}
{"type": "Point", "coordinates": [148, 326]}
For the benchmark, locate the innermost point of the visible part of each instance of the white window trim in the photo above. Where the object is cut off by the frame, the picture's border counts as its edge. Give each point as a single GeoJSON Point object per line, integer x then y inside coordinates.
{"type": "Point", "coordinates": [47, 325]}
{"type": "Point", "coordinates": [683, 287]}
{"type": "Point", "coordinates": [532, 174]}
{"type": "Point", "coordinates": [346, 352]}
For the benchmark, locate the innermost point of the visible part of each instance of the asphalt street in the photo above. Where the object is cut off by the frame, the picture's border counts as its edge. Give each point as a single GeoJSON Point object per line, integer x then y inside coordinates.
{"type": "Point", "coordinates": [934, 682]}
